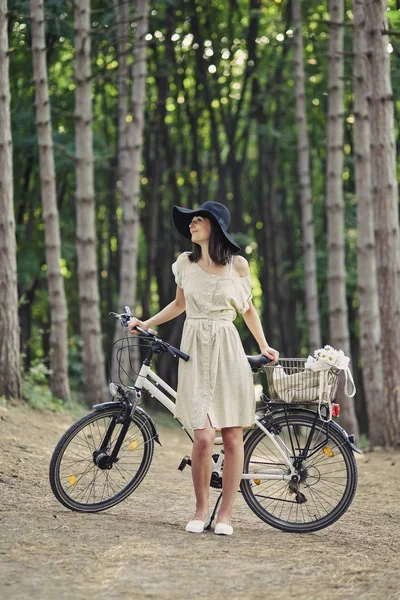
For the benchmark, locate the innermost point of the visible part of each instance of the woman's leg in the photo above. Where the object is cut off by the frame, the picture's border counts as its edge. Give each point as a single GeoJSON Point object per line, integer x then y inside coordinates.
{"type": "Point", "coordinates": [232, 472]}
{"type": "Point", "coordinates": [202, 468]}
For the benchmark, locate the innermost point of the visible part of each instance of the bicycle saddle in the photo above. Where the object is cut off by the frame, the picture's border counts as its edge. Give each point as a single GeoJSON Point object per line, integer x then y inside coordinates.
{"type": "Point", "coordinates": [257, 361]}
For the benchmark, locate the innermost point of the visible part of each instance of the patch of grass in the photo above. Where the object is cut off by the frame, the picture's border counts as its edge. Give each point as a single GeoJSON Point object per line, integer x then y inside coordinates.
{"type": "Point", "coordinates": [37, 394]}
{"type": "Point", "coordinates": [35, 389]}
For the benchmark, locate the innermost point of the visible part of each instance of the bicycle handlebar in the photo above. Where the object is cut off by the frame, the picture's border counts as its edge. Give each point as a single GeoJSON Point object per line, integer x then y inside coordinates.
{"type": "Point", "coordinates": [124, 319]}
{"type": "Point", "coordinates": [175, 352]}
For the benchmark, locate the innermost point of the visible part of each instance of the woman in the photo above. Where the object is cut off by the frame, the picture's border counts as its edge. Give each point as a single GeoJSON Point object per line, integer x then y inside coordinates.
{"type": "Point", "coordinates": [215, 387]}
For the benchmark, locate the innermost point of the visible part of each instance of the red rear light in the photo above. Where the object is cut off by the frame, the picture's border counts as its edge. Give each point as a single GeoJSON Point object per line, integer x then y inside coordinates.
{"type": "Point", "coordinates": [335, 410]}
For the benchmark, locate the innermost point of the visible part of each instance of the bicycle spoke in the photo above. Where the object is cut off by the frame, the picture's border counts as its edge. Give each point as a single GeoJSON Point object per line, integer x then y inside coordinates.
{"type": "Point", "coordinates": [322, 482]}
{"type": "Point", "coordinates": [85, 481]}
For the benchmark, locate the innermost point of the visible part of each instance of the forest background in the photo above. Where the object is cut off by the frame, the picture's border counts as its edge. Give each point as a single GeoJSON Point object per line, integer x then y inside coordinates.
{"type": "Point", "coordinates": [183, 102]}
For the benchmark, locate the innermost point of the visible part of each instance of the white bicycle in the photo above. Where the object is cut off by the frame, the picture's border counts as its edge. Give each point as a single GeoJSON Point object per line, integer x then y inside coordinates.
{"type": "Point", "coordinates": [299, 472]}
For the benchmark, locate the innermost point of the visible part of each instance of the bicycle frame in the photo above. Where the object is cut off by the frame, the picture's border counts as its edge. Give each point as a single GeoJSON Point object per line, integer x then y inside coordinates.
{"type": "Point", "coordinates": [144, 383]}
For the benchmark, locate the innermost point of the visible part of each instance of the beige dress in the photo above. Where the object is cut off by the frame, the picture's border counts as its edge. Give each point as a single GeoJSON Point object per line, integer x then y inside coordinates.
{"type": "Point", "coordinates": [217, 379]}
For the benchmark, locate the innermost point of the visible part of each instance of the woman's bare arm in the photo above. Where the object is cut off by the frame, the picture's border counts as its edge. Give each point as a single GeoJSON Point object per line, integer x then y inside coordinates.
{"type": "Point", "coordinates": [251, 317]}
{"type": "Point", "coordinates": [253, 322]}
{"type": "Point", "coordinates": [172, 310]}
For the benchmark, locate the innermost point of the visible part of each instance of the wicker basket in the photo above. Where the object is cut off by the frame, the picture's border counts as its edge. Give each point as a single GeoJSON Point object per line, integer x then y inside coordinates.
{"type": "Point", "coordinates": [291, 383]}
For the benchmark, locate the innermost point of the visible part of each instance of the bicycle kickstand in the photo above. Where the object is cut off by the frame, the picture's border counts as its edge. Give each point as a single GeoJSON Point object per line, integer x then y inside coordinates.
{"type": "Point", "coordinates": [214, 512]}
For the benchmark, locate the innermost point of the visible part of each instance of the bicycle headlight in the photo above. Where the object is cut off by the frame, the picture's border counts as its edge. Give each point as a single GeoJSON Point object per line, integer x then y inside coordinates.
{"type": "Point", "coordinates": [113, 389]}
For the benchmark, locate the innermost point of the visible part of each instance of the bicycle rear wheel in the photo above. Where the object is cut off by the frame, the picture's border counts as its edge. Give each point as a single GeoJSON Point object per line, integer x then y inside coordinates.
{"type": "Point", "coordinates": [79, 478]}
{"type": "Point", "coordinates": [328, 476]}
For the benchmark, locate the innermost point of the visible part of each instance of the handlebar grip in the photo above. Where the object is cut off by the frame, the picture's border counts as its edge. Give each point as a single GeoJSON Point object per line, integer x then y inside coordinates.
{"type": "Point", "coordinates": [179, 353]}
{"type": "Point", "coordinates": [265, 360]}
{"type": "Point", "coordinates": [143, 331]}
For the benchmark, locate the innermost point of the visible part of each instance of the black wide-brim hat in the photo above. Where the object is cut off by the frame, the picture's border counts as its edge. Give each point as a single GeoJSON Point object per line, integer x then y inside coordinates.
{"type": "Point", "coordinates": [215, 210]}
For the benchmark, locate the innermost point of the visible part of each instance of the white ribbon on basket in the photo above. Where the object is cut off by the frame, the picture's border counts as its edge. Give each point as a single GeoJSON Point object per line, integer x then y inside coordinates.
{"type": "Point", "coordinates": [341, 362]}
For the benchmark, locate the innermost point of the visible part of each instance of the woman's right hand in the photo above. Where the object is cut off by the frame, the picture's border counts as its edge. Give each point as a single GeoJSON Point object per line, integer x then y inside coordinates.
{"type": "Point", "coordinates": [134, 322]}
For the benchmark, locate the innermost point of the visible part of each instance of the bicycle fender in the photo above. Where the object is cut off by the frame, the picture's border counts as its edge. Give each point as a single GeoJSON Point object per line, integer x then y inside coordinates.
{"type": "Point", "coordinates": [349, 438]}
{"type": "Point", "coordinates": [147, 417]}
{"type": "Point", "coordinates": [142, 413]}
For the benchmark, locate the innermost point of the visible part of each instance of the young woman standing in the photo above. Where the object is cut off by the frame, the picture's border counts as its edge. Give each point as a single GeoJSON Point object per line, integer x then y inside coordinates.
{"type": "Point", "coordinates": [215, 387]}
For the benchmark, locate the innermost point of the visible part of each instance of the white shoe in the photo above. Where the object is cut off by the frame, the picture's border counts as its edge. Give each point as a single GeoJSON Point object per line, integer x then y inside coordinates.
{"type": "Point", "coordinates": [197, 526]}
{"type": "Point", "coordinates": [223, 529]}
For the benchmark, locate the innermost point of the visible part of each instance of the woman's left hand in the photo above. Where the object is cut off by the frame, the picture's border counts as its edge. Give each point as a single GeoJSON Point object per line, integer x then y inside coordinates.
{"type": "Point", "coordinates": [270, 353]}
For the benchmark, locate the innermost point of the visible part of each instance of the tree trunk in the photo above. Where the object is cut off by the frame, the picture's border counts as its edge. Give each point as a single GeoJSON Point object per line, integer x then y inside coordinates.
{"type": "Point", "coordinates": [93, 357]}
{"type": "Point", "coordinates": [385, 202]}
{"type": "Point", "coordinates": [157, 159]}
{"type": "Point", "coordinates": [153, 226]}
{"type": "Point", "coordinates": [58, 306]}
{"type": "Point", "coordinates": [121, 13]}
{"type": "Point", "coordinates": [311, 292]}
{"type": "Point", "coordinates": [131, 175]}
{"type": "Point", "coordinates": [338, 317]}
{"type": "Point", "coordinates": [130, 170]}
{"type": "Point", "coordinates": [262, 238]}
{"type": "Point", "coordinates": [370, 326]}
{"type": "Point", "coordinates": [10, 381]}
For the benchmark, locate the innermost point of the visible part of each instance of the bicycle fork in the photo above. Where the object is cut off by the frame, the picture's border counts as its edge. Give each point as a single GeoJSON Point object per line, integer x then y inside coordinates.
{"type": "Point", "coordinates": [101, 458]}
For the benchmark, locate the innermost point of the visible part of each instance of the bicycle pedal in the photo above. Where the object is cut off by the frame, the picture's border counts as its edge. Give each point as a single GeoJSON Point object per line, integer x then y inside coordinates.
{"type": "Point", "coordinates": [185, 461]}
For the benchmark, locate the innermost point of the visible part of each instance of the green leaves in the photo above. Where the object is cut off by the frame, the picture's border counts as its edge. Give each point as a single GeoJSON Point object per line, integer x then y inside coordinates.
{"type": "Point", "coordinates": [393, 17]}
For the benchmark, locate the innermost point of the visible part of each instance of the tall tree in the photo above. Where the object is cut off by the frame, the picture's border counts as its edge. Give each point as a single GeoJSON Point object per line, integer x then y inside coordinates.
{"type": "Point", "coordinates": [370, 326]}
{"type": "Point", "coordinates": [10, 381]}
{"type": "Point", "coordinates": [121, 14]}
{"type": "Point", "coordinates": [93, 357]}
{"type": "Point", "coordinates": [131, 155]}
{"type": "Point", "coordinates": [58, 306]}
{"type": "Point", "coordinates": [338, 316]}
{"type": "Point", "coordinates": [385, 202]}
{"type": "Point", "coordinates": [130, 188]}
{"type": "Point", "coordinates": [130, 165]}
{"type": "Point", "coordinates": [312, 308]}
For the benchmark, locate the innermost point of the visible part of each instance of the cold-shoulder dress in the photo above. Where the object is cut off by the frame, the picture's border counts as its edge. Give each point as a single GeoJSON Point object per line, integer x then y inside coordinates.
{"type": "Point", "coordinates": [217, 379]}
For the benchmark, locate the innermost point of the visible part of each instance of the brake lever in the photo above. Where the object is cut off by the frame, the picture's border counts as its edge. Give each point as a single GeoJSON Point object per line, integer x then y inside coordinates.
{"type": "Point", "coordinates": [128, 311]}
{"type": "Point", "coordinates": [123, 318]}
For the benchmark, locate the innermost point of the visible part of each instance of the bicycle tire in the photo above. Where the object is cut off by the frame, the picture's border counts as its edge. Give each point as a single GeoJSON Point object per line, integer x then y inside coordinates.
{"type": "Point", "coordinates": [64, 485]}
{"type": "Point", "coordinates": [286, 503]}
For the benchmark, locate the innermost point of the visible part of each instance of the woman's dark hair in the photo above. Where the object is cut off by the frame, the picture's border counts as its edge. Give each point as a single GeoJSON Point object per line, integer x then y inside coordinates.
{"type": "Point", "coordinates": [219, 249]}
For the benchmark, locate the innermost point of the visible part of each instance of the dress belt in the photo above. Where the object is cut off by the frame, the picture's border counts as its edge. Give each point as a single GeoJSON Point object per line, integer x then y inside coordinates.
{"type": "Point", "coordinates": [210, 318]}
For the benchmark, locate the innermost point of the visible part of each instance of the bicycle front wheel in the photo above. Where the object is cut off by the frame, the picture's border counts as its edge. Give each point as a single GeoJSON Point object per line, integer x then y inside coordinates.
{"type": "Point", "coordinates": [327, 475]}
{"type": "Point", "coordinates": [79, 477]}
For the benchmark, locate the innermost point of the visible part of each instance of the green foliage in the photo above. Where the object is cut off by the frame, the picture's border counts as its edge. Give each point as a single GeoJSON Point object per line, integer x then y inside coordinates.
{"type": "Point", "coordinates": [393, 16]}
{"type": "Point", "coordinates": [219, 124]}
{"type": "Point", "coordinates": [35, 389]}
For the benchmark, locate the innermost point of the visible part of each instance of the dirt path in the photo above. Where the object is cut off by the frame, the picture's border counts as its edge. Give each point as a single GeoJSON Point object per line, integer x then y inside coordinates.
{"type": "Point", "coordinates": [139, 550]}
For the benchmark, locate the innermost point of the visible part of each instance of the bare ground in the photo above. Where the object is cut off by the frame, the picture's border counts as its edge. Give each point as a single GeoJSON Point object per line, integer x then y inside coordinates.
{"type": "Point", "coordinates": [139, 549]}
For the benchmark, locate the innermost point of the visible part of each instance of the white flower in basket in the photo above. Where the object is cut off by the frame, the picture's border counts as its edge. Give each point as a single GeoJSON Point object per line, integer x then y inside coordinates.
{"type": "Point", "coordinates": [326, 358]}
